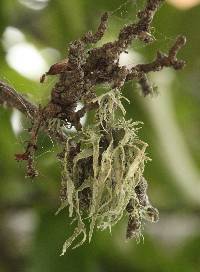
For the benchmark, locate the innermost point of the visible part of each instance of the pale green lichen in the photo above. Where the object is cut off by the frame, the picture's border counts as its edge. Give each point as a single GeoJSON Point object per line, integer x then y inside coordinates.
{"type": "Point", "coordinates": [100, 180]}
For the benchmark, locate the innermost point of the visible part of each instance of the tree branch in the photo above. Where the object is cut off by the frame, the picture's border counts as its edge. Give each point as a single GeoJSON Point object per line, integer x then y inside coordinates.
{"type": "Point", "coordinates": [140, 71]}
{"type": "Point", "coordinates": [12, 99]}
{"type": "Point", "coordinates": [140, 29]}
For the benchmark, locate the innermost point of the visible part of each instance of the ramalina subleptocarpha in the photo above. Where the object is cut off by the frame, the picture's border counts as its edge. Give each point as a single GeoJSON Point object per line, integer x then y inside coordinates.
{"type": "Point", "coordinates": [102, 164]}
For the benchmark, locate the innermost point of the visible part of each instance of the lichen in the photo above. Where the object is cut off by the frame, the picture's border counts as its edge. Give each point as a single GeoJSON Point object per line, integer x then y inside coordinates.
{"type": "Point", "coordinates": [100, 180]}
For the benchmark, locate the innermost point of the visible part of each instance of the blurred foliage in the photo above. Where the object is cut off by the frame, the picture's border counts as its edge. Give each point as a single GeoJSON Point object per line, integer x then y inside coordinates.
{"type": "Point", "coordinates": [54, 26]}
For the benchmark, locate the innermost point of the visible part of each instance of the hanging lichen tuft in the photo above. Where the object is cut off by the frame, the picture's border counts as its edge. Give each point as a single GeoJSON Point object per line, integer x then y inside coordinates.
{"type": "Point", "coordinates": [103, 180]}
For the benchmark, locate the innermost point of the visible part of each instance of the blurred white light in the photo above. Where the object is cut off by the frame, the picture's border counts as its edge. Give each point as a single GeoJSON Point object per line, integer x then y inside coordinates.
{"type": "Point", "coordinates": [16, 122]}
{"type": "Point", "coordinates": [20, 227]}
{"type": "Point", "coordinates": [34, 4]}
{"type": "Point", "coordinates": [129, 59]}
{"type": "Point", "coordinates": [26, 60]}
{"type": "Point", "coordinates": [172, 230]}
{"type": "Point", "coordinates": [12, 36]}
{"type": "Point", "coordinates": [82, 120]}
{"type": "Point", "coordinates": [184, 4]}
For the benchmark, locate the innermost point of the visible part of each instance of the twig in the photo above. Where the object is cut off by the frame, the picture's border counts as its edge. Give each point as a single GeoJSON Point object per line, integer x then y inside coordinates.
{"type": "Point", "coordinates": [12, 99]}
{"type": "Point", "coordinates": [82, 71]}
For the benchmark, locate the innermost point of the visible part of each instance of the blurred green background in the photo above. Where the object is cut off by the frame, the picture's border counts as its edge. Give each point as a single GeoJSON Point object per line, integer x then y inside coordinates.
{"type": "Point", "coordinates": [34, 35]}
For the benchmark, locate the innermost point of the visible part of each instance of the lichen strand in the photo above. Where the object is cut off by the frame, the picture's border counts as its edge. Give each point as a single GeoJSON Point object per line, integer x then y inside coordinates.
{"type": "Point", "coordinates": [104, 180]}
{"type": "Point", "coordinates": [102, 165]}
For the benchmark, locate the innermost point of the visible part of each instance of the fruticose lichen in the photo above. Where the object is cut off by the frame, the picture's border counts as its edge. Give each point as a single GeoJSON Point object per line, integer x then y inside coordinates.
{"type": "Point", "coordinates": [103, 181]}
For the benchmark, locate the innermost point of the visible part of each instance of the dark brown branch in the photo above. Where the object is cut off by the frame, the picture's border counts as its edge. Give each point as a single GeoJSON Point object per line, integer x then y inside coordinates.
{"type": "Point", "coordinates": [162, 60]}
{"type": "Point", "coordinates": [76, 54]}
{"type": "Point", "coordinates": [82, 71]}
{"type": "Point", "coordinates": [145, 85]}
{"type": "Point", "coordinates": [12, 99]}
{"type": "Point", "coordinates": [142, 28]}
{"type": "Point", "coordinates": [89, 37]}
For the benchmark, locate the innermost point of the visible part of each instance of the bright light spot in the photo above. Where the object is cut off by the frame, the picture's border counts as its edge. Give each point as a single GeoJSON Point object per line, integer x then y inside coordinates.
{"type": "Point", "coordinates": [27, 60]}
{"type": "Point", "coordinates": [184, 226]}
{"type": "Point", "coordinates": [130, 59]}
{"type": "Point", "coordinates": [24, 57]}
{"type": "Point", "coordinates": [82, 120]}
{"type": "Point", "coordinates": [34, 4]}
{"type": "Point", "coordinates": [16, 122]}
{"type": "Point", "coordinates": [12, 36]}
{"type": "Point", "coordinates": [21, 225]}
{"type": "Point", "coordinates": [184, 4]}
